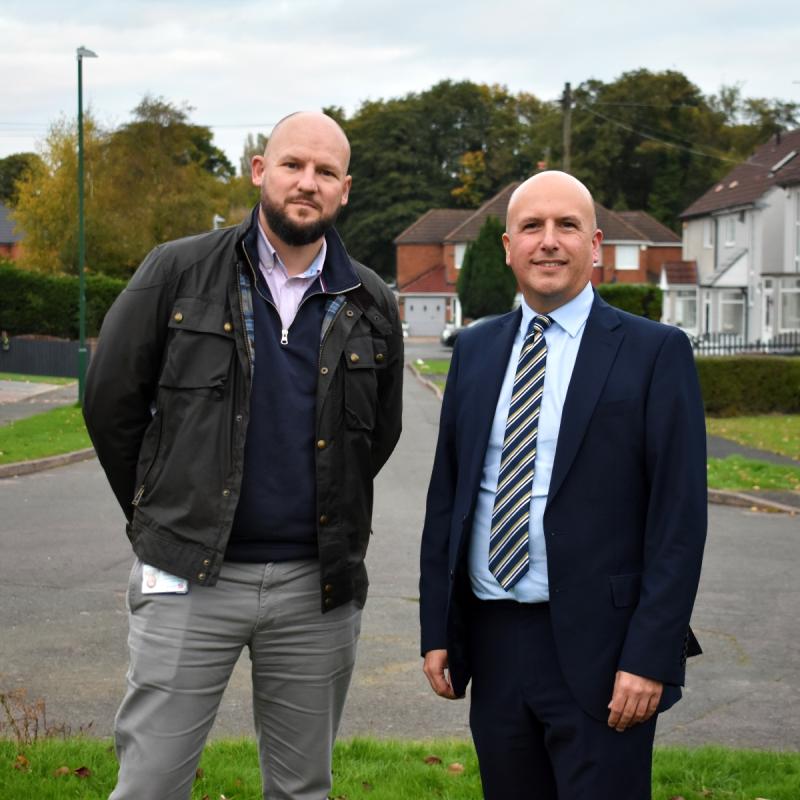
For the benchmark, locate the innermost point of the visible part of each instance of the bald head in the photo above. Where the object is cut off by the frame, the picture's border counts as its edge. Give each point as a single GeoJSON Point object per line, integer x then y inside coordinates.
{"type": "Point", "coordinates": [551, 239]}
{"type": "Point", "coordinates": [551, 180]}
{"type": "Point", "coordinates": [321, 127]}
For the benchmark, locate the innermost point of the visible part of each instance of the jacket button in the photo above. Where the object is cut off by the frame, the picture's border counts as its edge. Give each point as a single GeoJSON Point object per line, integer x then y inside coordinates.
{"type": "Point", "coordinates": [328, 602]}
{"type": "Point", "coordinates": [321, 444]}
{"type": "Point", "coordinates": [227, 327]}
{"type": "Point", "coordinates": [201, 576]}
{"type": "Point", "coordinates": [379, 357]}
{"type": "Point", "coordinates": [206, 562]}
{"type": "Point", "coordinates": [323, 520]}
{"type": "Point", "coordinates": [239, 417]}
{"type": "Point", "coordinates": [349, 312]}
{"type": "Point", "coordinates": [354, 357]}
{"type": "Point", "coordinates": [323, 370]}
{"type": "Point", "coordinates": [328, 587]}
{"type": "Point", "coordinates": [178, 317]}
{"type": "Point", "coordinates": [226, 492]}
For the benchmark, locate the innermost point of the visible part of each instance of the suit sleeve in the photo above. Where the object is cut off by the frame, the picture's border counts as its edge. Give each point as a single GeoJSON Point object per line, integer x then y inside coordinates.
{"type": "Point", "coordinates": [123, 374]}
{"type": "Point", "coordinates": [676, 521]}
{"type": "Point", "coordinates": [435, 578]}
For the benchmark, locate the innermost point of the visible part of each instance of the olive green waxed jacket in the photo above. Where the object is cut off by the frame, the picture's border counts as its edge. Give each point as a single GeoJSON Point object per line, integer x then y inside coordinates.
{"type": "Point", "coordinates": [167, 404]}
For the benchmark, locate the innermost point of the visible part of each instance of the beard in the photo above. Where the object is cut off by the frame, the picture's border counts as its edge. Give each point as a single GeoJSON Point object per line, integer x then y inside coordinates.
{"type": "Point", "coordinates": [295, 234]}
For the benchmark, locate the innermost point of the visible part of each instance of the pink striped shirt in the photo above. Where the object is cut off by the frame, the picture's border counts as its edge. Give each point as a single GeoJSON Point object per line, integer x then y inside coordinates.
{"type": "Point", "coordinates": [287, 290]}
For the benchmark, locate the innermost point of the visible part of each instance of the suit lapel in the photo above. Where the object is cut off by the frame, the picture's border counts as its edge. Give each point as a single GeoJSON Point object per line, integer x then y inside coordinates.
{"type": "Point", "coordinates": [599, 344]}
{"type": "Point", "coordinates": [491, 367]}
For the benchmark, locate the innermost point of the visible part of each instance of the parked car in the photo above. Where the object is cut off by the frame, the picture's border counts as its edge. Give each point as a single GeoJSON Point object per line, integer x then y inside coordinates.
{"type": "Point", "coordinates": [450, 332]}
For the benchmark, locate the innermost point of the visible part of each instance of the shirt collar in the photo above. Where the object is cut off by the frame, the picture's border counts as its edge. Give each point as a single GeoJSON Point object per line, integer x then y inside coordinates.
{"type": "Point", "coordinates": [269, 258]}
{"type": "Point", "coordinates": [571, 316]}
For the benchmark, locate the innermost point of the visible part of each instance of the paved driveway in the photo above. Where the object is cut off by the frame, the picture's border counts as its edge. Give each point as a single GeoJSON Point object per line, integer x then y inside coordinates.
{"type": "Point", "coordinates": [64, 562]}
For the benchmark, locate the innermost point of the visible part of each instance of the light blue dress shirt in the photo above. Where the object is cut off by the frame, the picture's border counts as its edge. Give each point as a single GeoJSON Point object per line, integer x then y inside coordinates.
{"type": "Point", "coordinates": [563, 339]}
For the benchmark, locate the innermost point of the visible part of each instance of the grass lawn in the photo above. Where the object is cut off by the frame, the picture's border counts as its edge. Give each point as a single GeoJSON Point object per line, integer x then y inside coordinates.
{"type": "Point", "coordinates": [366, 769]}
{"type": "Point", "coordinates": [735, 472]}
{"type": "Point", "coordinates": [15, 376]}
{"type": "Point", "coordinates": [778, 433]}
{"type": "Point", "coordinates": [58, 431]}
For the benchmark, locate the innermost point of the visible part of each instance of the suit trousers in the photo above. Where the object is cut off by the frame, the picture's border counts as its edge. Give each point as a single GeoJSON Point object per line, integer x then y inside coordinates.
{"type": "Point", "coordinates": [183, 649]}
{"type": "Point", "coordinates": [532, 739]}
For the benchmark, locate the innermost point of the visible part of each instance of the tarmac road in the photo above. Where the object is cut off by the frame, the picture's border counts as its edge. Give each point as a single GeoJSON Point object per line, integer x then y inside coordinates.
{"type": "Point", "coordinates": [64, 561]}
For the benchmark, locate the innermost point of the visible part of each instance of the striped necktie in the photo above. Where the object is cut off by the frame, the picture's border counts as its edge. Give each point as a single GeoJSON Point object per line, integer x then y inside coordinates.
{"type": "Point", "coordinates": [508, 540]}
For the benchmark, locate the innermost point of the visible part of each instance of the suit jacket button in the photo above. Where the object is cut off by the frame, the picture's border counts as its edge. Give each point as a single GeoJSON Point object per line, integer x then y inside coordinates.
{"type": "Point", "coordinates": [323, 519]}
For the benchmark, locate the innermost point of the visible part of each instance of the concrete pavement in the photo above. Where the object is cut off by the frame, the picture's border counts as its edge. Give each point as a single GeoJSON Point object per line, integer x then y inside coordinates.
{"type": "Point", "coordinates": [65, 562]}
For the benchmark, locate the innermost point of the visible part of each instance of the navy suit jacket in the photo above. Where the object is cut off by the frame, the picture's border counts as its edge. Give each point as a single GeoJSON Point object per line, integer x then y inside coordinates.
{"type": "Point", "coordinates": [625, 519]}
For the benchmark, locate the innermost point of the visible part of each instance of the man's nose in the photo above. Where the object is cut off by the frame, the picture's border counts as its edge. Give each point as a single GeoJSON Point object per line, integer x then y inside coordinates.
{"type": "Point", "coordinates": [308, 179]}
{"type": "Point", "coordinates": [549, 238]}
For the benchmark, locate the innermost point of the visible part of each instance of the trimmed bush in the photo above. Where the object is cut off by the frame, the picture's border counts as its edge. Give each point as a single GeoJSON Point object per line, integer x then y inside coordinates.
{"type": "Point", "coordinates": [749, 384]}
{"type": "Point", "coordinates": [32, 302]}
{"type": "Point", "coordinates": [642, 299]}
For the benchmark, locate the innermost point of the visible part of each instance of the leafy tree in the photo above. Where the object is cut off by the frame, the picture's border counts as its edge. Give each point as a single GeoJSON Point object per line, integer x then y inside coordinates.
{"type": "Point", "coordinates": [155, 178]}
{"type": "Point", "coordinates": [486, 285]}
{"type": "Point", "coordinates": [12, 169]}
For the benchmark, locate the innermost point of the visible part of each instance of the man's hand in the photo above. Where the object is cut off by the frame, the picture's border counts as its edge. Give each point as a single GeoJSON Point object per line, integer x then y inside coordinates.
{"type": "Point", "coordinates": [635, 699]}
{"type": "Point", "coordinates": [434, 667]}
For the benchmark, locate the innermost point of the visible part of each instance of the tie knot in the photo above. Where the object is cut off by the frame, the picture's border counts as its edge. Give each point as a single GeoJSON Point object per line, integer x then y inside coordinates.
{"type": "Point", "coordinates": [539, 324]}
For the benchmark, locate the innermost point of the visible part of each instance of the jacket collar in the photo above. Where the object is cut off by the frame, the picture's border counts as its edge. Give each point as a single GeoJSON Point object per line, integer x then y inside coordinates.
{"type": "Point", "coordinates": [339, 274]}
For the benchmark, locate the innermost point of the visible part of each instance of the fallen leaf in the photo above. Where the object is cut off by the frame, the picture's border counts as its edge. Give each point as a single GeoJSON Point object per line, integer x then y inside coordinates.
{"type": "Point", "coordinates": [456, 768]}
{"type": "Point", "coordinates": [22, 763]}
{"type": "Point", "coordinates": [238, 783]}
{"type": "Point", "coordinates": [199, 774]}
{"type": "Point", "coordinates": [433, 760]}
{"type": "Point", "coordinates": [83, 772]}
{"type": "Point", "coordinates": [367, 787]}
{"type": "Point", "coordinates": [61, 771]}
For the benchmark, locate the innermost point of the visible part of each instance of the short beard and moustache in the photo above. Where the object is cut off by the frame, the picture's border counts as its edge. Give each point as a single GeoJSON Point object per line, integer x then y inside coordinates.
{"type": "Point", "coordinates": [295, 234]}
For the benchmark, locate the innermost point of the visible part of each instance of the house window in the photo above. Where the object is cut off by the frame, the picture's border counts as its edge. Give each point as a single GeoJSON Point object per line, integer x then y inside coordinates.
{"type": "Point", "coordinates": [460, 250]}
{"type": "Point", "coordinates": [731, 309]}
{"type": "Point", "coordinates": [790, 305]}
{"type": "Point", "coordinates": [627, 256]}
{"type": "Point", "coordinates": [768, 302]}
{"type": "Point", "coordinates": [708, 233]}
{"type": "Point", "coordinates": [730, 231]}
{"type": "Point", "coordinates": [686, 308]}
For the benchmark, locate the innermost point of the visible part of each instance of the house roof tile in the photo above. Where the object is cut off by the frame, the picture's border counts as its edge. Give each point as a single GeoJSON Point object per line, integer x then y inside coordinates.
{"type": "Point", "coordinates": [495, 206]}
{"type": "Point", "coordinates": [748, 181]}
{"type": "Point", "coordinates": [653, 230]}
{"type": "Point", "coordinates": [681, 272]}
{"type": "Point", "coordinates": [433, 226]}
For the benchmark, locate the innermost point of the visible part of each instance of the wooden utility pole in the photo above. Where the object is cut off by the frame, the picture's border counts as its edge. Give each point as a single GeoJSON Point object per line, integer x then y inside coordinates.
{"type": "Point", "coordinates": [566, 107]}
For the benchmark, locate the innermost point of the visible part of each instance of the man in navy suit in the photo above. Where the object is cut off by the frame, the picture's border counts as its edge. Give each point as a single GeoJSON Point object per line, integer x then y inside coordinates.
{"type": "Point", "coordinates": [572, 656]}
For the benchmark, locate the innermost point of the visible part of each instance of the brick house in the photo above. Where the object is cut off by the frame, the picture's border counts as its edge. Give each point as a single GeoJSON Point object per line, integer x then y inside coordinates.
{"type": "Point", "coordinates": [743, 236]}
{"type": "Point", "coordinates": [431, 250]}
{"type": "Point", "coordinates": [10, 236]}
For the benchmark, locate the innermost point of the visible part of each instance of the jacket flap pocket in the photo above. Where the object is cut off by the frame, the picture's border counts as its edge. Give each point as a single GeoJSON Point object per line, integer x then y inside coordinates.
{"type": "Point", "coordinates": [625, 589]}
{"type": "Point", "coordinates": [364, 352]}
{"type": "Point", "coordinates": [201, 316]}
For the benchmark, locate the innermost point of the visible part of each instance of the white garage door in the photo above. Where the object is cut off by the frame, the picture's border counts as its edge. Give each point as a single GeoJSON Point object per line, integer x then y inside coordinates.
{"type": "Point", "coordinates": [425, 315]}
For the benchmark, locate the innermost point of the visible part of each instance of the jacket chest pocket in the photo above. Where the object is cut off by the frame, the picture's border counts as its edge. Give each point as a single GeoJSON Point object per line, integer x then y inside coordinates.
{"type": "Point", "coordinates": [364, 357]}
{"type": "Point", "coordinates": [200, 349]}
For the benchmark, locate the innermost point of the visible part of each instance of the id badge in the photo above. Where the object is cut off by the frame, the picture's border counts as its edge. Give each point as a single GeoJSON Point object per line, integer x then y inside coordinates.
{"type": "Point", "coordinates": [156, 581]}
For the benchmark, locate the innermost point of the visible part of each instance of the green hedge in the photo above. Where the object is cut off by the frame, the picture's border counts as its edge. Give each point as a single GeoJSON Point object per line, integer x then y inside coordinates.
{"type": "Point", "coordinates": [749, 384]}
{"type": "Point", "coordinates": [31, 302]}
{"type": "Point", "coordinates": [642, 299]}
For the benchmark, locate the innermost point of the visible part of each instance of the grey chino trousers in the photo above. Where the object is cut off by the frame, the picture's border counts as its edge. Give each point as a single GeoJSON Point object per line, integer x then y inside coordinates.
{"type": "Point", "coordinates": [183, 649]}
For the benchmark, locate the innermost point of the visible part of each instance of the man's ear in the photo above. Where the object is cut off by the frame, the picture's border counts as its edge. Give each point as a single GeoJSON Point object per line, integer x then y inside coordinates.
{"type": "Point", "coordinates": [507, 247]}
{"type": "Point", "coordinates": [348, 182]}
{"type": "Point", "coordinates": [256, 170]}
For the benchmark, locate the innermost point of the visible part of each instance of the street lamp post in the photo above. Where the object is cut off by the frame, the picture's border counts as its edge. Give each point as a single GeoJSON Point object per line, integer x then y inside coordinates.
{"type": "Point", "coordinates": [82, 53]}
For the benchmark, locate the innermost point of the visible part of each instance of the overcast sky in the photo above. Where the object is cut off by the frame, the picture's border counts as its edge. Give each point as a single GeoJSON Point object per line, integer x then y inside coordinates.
{"type": "Point", "coordinates": [243, 65]}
